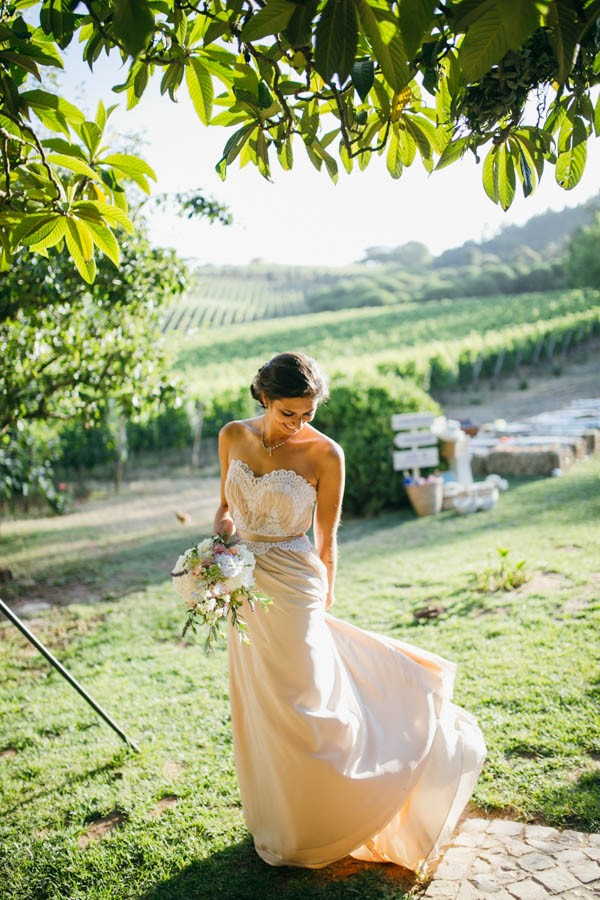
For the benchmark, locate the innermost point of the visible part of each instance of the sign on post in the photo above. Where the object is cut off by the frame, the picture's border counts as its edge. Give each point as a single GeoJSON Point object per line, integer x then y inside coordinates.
{"type": "Point", "coordinates": [416, 442]}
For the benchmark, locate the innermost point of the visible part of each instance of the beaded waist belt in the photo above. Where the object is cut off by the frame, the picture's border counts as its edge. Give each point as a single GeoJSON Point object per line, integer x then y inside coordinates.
{"type": "Point", "coordinates": [267, 538]}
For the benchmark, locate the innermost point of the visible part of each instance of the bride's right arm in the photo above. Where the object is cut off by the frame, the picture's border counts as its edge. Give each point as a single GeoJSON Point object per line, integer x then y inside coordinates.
{"type": "Point", "coordinates": [223, 523]}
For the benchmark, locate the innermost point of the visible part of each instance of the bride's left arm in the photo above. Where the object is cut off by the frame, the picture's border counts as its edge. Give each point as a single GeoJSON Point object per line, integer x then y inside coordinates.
{"type": "Point", "coordinates": [330, 491]}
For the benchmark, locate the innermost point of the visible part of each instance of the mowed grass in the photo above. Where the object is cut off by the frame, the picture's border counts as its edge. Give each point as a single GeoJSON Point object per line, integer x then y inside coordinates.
{"type": "Point", "coordinates": [82, 816]}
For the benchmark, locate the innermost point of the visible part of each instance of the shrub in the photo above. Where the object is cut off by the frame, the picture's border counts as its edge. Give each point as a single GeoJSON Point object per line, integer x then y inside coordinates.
{"type": "Point", "coordinates": [358, 416]}
{"type": "Point", "coordinates": [170, 429]}
{"type": "Point", "coordinates": [85, 446]}
{"type": "Point", "coordinates": [225, 406]}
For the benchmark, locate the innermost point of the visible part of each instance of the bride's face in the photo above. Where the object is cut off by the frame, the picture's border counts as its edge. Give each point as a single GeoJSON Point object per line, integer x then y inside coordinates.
{"type": "Point", "coordinates": [288, 415]}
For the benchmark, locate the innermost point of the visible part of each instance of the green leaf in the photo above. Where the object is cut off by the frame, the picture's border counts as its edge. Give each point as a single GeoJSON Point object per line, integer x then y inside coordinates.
{"type": "Point", "coordinates": [129, 163]}
{"type": "Point", "coordinates": [91, 136]}
{"type": "Point", "coordinates": [44, 51]}
{"type": "Point", "coordinates": [200, 87]}
{"type": "Point", "coordinates": [408, 147]}
{"type": "Point", "coordinates": [29, 225]}
{"type": "Point", "coordinates": [265, 98]}
{"type": "Point", "coordinates": [571, 160]}
{"type": "Point", "coordinates": [597, 117]}
{"type": "Point", "coordinates": [389, 51]}
{"type": "Point", "coordinates": [330, 163]}
{"type": "Point", "coordinates": [336, 40]}
{"type": "Point", "coordinates": [490, 185]}
{"type": "Point", "coordinates": [383, 98]}
{"type": "Point", "coordinates": [285, 154]}
{"type": "Point", "coordinates": [499, 26]}
{"type": "Point", "coordinates": [55, 233]}
{"type": "Point", "coordinates": [111, 214]}
{"type": "Point", "coordinates": [262, 154]}
{"type": "Point", "coordinates": [233, 147]}
{"type": "Point", "coordinates": [172, 78]}
{"type": "Point", "coordinates": [347, 160]}
{"type": "Point", "coordinates": [416, 18]}
{"type": "Point", "coordinates": [21, 61]}
{"type": "Point", "coordinates": [505, 177]}
{"type": "Point", "coordinates": [39, 99]}
{"type": "Point", "coordinates": [394, 156]}
{"type": "Point", "coordinates": [74, 164]}
{"type": "Point", "coordinates": [272, 19]}
{"type": "Point", "coordinates": [453, 151]}
{"type": "Point", "coordinates": [363, 76]}
{"type": "Point", "coordinates": [563, 34]}
{"type": "Point", "coordinates": [105, 241]}
{"type": "Point", "coordinates": [62, 146]}
{"type": "Point", "coordinates": [133, 23]}
{"type": "Point", "coordinates": [57, 18]}
{"type": "Point", "coordinates": [299, 29]}
{"type": "Point", "coordinates": [81, 248]}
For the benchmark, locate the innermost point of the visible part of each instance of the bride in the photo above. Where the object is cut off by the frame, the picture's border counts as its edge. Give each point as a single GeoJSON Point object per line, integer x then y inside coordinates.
{"type": "Point", "coordinates": [346, 741]}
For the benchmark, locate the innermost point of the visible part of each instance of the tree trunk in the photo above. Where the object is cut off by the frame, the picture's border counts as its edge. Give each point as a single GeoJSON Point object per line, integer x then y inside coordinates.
{"type": "Point", "coordinates": [196, 446]}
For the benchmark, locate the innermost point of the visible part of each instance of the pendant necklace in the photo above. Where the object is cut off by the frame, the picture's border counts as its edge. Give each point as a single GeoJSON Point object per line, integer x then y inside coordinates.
{"type": "Point", "coordinates": [270, 450]}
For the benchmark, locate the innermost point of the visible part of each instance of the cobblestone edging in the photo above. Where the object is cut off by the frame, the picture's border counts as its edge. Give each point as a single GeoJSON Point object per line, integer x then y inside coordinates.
{"type": "Point", "coordinates": [505, 860]}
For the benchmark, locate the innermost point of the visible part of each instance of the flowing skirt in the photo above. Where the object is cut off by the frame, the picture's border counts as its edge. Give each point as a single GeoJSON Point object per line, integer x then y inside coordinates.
{"type": "Point", "coordinates": [346, 741]}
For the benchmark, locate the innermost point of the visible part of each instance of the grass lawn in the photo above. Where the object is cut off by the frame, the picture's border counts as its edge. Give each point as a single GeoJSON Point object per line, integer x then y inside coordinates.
{"type": "Point", "coordinates": [82, 816]}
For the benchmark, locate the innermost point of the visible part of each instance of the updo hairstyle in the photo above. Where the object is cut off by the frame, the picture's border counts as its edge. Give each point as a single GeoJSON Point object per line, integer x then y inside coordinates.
{"type": "Point", "coordinates": [290, 375]}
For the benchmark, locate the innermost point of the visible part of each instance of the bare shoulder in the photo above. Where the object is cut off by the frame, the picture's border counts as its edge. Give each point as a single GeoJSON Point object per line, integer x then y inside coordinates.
{"type": "Point", "coordinates": [237, 429]}
{"type": "Point", "coordinates": [327, 453]}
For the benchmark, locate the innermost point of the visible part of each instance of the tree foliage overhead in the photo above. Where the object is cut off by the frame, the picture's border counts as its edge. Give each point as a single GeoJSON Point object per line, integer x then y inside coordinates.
{"type": "Point", "coordinates": [509, 80]}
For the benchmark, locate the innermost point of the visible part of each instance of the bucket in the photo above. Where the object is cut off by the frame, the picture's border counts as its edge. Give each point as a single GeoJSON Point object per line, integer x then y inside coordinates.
{"type": "Point", "coordinates": [426, 498]}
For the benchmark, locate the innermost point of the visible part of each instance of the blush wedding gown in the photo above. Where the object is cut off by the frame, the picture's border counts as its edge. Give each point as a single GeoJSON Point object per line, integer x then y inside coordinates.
{"type": "Point", "coordinates": [345, 741]}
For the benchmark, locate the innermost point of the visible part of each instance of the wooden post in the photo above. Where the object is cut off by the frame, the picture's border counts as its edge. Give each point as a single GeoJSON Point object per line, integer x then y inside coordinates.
{"type": "Point", "coordinates": [477, 370]}
{"type": "Point", "coordinates": [197, 445]}
{"type": "Point", "coordinates": [121, 451]}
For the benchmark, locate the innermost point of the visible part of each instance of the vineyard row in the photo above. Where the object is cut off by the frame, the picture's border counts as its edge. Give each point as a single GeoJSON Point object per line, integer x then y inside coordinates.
{"type": "Point", "coordinates": [464, 361]}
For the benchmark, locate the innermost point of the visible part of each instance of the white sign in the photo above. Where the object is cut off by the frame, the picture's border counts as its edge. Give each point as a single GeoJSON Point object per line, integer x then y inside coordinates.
{"type": "Point", "coordinates": [415, 439]}
{"type": "Point", "coordinates": [408, 459]}
{"type": "Point", "coordinates": [402, 421]}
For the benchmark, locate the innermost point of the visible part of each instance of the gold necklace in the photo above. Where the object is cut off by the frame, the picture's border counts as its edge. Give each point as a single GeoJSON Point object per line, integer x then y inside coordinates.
{"type": "Point", "coordinates": [270, 450]}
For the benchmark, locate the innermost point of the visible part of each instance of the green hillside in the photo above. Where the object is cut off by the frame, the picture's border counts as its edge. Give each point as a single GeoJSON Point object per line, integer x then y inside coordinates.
{"type": "Point", "coordinates": [348, 340]}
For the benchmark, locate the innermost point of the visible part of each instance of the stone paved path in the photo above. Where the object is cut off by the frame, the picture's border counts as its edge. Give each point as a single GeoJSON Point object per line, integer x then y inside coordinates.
{"type": "Point", "coordinates": [503, 860]}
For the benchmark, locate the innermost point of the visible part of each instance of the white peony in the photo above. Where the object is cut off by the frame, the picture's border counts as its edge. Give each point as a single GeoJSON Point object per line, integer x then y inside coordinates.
{"type": "Point", "coordinates": [230, 565]}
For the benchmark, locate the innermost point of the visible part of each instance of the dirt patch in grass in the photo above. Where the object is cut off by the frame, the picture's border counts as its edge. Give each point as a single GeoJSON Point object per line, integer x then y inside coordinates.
{"type": "Point", "coordinates": [100, 828]}
{"type": "Point", "coordinates": [164, 804]}
{"type": "Point", "coordinates": [544, 583]}
{"type": "Point", "coordinates": [173, 769]}
{"type": "Point", "coordinates": [7, 753]}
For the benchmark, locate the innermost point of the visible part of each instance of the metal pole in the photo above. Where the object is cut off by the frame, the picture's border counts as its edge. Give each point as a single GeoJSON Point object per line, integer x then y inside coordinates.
{"type": "Point", "coordinates": [72, 681]}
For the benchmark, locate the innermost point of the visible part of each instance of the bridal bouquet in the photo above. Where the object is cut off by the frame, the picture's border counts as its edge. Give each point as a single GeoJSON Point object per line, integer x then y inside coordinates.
{"type": "Point", "coordinates": [215, 578]}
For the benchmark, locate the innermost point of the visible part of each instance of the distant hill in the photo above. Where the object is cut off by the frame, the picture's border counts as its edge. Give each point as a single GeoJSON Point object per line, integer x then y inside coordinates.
{"type": "Point", "coordinates": [541, 238]}
{"type": "Point", "coordinates": [545, 233]}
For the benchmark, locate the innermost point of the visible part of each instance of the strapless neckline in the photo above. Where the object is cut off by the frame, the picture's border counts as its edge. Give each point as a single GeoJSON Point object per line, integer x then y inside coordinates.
{"type": "Point", "coordinates": [278, 472]}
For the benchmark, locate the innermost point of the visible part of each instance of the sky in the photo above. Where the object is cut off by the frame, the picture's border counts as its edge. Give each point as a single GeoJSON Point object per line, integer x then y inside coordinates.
{"type": "Point", "coordinates": [302, 218]}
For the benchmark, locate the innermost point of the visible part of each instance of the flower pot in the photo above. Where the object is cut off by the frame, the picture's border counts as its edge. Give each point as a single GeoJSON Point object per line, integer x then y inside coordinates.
{"type": "Point", "coordinates": [426, 498]}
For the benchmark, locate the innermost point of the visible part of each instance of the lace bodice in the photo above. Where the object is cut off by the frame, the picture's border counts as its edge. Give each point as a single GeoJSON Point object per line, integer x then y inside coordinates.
{"type": "Point", "coordinates": [275, 504]}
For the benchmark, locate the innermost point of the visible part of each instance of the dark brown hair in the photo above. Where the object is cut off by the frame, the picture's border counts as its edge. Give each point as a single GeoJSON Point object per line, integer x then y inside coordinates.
{"type": "Point", "coordinates": [290, 375]}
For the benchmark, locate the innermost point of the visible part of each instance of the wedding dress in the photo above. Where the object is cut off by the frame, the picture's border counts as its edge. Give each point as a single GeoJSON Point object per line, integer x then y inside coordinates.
{"type": "Point", "coordinates": [346, 741]}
